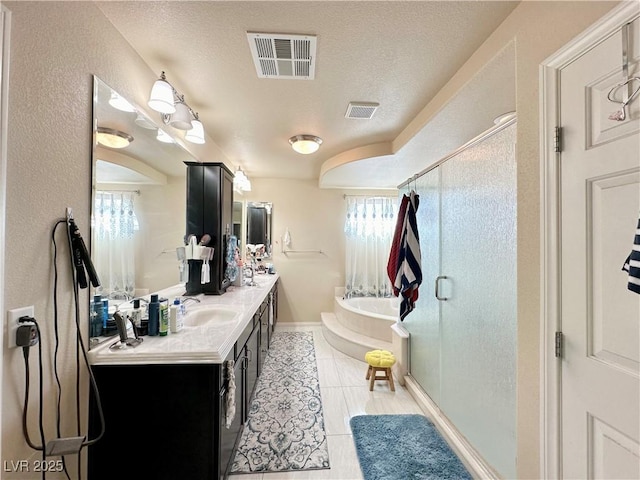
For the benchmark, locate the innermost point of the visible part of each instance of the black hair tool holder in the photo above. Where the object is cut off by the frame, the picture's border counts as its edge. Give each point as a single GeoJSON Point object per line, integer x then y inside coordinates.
{"type": "Point", "coordinates": [194, 285]}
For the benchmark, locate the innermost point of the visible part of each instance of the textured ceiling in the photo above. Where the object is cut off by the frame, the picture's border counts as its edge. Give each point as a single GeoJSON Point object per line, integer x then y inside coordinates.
{"type": "Point", "coordinates": [398, 54]}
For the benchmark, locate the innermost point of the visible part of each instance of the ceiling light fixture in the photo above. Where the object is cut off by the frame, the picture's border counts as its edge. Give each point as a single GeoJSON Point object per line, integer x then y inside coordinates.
{"type": "Point", "coordinates": [175, 111]}
{"type": "Point", "coordinates": [305, 144]}
{"type": "Point", "coordinates": [112, 138]}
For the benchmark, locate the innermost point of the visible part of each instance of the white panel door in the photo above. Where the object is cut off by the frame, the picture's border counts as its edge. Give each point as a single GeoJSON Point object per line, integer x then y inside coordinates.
{"type": "Point", "coordinates": [600, 317]}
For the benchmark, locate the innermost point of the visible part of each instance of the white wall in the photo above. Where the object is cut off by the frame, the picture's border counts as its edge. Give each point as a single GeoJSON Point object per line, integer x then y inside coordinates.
{"type": "Point", "coordinates": [315, 219]}
{"type": "Point", "coordinates": [55, 49]}
{"type": "Point", "coordinates": [161, 214]}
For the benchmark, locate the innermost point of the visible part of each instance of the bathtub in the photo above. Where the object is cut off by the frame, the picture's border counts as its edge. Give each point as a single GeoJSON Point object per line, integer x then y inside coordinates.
{"type": "Point", "coordinates": [368, 315]}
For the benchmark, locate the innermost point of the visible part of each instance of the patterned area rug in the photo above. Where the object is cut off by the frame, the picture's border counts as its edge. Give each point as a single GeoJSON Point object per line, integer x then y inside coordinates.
{"type": "Point", "coordinates": [285, 429]}
{"type": "Point", "coordinates": [401, 447]}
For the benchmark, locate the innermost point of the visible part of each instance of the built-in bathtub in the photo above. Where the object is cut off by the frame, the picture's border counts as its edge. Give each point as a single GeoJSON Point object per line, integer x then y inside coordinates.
{"type": "Point", "coordinates": [360, 324]}
{"type": "Point", "coordinates": [369, 316]}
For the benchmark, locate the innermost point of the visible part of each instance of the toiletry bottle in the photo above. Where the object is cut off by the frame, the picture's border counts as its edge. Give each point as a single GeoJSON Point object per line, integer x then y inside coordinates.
{"type": "Point", "coordinates": [154, 315]}
{"type": "Point", "coordinates": [136, 313]}
{"type": "Point", "coordinates": [175, 316]}
{"type": "Point", "coordinates": [97, 316]}
{"type": "Point", "coordinates": [105, 312]}
{"type": "Point", "coordinates": [164, 317]}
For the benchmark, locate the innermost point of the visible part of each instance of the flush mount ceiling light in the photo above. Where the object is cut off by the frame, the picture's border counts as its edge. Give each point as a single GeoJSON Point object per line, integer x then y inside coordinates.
{"type": "Point", "coordinates": [175, 111]}
{"type": "Point", "coordinates": [112, 138]}
{"type": "Point", "coordinates": [305, 144]}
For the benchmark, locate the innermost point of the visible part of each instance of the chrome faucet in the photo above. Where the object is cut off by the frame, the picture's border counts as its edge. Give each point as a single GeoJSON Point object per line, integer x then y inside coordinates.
{"type": "Point", "coordinates": [184, 300]}
{"type": "Point", "coordinates": [252, 266]}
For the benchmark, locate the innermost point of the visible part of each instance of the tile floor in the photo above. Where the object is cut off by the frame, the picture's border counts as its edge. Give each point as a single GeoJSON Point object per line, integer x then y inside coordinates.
{"type": "Point", "coordinates": [345, 393]}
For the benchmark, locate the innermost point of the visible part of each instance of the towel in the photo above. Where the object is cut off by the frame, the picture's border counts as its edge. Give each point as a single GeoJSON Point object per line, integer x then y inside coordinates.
{"type": "Point", "coordinates": [407, 275]}
{"type": "Point", "coordinates": [632, 263]}
{"type": "Point", "coordinates": [230, 396]}
{"type": "Point", "coordinates": [392, 264]}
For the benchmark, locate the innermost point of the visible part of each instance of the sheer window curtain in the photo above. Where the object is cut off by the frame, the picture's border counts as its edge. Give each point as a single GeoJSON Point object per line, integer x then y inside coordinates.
{"type": "Point", "coordinates": [369, 227]}
{"type": "Point", "coordinates": [115, 224]}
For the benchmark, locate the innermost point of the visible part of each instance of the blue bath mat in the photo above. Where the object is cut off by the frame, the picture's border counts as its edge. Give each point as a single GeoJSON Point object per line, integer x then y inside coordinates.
{"type": "Point", "coordinates": [403, 447]}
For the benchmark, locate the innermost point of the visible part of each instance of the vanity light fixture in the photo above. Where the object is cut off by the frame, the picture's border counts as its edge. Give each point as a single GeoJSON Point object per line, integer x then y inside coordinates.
{"type": "Point", "coordinates": [112, 138]}
{"type": "Point", "coordinates": [241, 182]}
{"type": "Point", "coordinates": [163, 136]}
{"type": "Point", "coordinates": [305, 144]}
{"type": "Point", "coordinates": [175, 111]}
{"type": "Point", "coordinates": [120, 103]}
{"type": "Point", "coordinates": [196, 134]}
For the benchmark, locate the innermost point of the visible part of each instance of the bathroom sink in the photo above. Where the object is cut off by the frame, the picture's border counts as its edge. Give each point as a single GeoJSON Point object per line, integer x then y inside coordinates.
{"type": "Point", "coordinates": [212, 315]}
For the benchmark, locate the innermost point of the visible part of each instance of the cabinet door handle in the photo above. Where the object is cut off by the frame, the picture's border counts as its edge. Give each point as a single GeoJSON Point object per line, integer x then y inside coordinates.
{"type": "Point", "coordinates": [249, 356]}
{"type": "Point", "coordinates": [437, 288]}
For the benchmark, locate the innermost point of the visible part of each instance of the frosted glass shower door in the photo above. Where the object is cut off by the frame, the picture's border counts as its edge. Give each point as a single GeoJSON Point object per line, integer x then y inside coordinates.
{"type": "Point", "coordinates": [478, 326]}
{"type": "Point", "coordinates": [423, 324]}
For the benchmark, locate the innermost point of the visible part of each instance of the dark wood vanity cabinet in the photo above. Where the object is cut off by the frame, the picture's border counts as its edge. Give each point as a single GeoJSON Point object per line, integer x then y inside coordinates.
{"type": "Point", "coordinates": [169, 421]}
{"type": "Point", "coordinates": [209, 211]}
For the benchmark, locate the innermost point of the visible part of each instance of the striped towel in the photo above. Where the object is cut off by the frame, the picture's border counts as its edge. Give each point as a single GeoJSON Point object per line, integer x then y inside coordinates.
{"type": "Point", "coordinates": [632, 263]}
{"type": "Point", "coordinates": [407, 275]}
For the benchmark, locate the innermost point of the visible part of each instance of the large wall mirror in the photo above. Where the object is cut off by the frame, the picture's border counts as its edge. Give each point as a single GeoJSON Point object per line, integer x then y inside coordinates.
{"type": "Point", "coordinates": [259, 226]}
{"type": "Point", "coordinates": [139, 199]}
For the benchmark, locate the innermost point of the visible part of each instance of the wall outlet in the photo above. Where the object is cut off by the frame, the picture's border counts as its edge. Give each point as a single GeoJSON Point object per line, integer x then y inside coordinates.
{"type": "Point", "coordinates": [12, 323]}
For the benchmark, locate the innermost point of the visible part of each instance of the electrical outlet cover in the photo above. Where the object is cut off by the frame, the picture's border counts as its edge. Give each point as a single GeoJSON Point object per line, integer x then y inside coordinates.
{"type": "Point", "coordinates": [12, 323]}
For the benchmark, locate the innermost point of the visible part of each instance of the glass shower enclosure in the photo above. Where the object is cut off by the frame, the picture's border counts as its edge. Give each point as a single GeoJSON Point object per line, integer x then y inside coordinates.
{"type": "Point", "coordinates": [463, 330]}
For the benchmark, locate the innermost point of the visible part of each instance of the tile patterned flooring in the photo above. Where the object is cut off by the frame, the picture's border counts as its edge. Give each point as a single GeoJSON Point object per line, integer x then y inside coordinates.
{"type": "Point", "coordinates": [345, 393]}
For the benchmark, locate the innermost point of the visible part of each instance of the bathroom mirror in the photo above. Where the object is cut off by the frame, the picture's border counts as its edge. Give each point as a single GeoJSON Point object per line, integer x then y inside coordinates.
{"type": "Point", "coordinates": [139, 199]}
{"type": "Point", "coordinates": [259, 239]}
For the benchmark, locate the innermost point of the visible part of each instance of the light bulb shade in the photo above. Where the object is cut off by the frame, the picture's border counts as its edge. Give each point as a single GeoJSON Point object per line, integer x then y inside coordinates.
{"type": "Point", "coordinates": [181, 119]}
{"type": "Point", "coordinates": [164, 137]}
{"type": "Point", "coordinates": [161, 98]}
{"type": "Point", "coordinates": [120, 103]}
{"type": "Point", "coordinates": [305, 144]}
{"type": "Point", "coordinates": [108, 137]}
{"type": "Point", "coordinates": [196, 134]}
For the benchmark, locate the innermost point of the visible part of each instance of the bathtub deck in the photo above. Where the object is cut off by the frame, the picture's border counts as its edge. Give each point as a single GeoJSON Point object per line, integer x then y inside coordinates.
{"type": "Point", "coordinates": [348, 341]}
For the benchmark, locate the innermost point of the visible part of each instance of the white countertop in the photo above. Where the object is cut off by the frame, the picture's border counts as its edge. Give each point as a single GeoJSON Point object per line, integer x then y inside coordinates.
{"type": "Point", "coordinates": [207, 343]}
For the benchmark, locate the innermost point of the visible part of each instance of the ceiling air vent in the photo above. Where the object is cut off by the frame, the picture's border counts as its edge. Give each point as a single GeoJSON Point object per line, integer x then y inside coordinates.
{"type": "Point", "coordinates": [361, 110]}
{"type": "Point", "coordinates": [283, 56]}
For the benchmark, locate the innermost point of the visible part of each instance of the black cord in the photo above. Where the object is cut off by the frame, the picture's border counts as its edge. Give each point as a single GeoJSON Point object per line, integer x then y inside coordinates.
{"type": "Point", "coordinates": [92, 378]}
{"type": "Point", "coordinates": [25, 353]}
{"type": "Point", "coordinates": [57, 338]}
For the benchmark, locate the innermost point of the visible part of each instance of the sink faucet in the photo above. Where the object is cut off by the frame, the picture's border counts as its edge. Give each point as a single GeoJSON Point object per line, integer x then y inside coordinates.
{"type": "Point", "coordinates": [184, 300]}
{"type": "Point", "coordinates": [252, 266]}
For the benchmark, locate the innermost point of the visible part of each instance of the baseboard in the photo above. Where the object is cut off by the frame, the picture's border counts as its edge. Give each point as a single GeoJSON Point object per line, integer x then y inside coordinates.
{"type": "Point", "coordinates": [468, 455]}
{"type": "Point", "coordinates": [299, 324]}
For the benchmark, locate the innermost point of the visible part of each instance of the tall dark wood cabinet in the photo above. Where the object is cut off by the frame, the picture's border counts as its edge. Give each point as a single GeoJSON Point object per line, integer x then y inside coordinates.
{"type": "Point", "coordinates": [209, 211]}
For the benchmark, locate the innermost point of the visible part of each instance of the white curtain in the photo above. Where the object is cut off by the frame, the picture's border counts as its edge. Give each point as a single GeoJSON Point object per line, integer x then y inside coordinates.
{"type": "Point", "coordinates": [115, 224]}
{"type": "Point", "coordinates": [369, 230]}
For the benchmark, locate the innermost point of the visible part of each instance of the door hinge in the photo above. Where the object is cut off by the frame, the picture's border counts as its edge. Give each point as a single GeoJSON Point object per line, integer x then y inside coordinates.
{"type": "Point", "coordinates": [559, 344]}
{"type": "Point", "coordinates": [557, 140]}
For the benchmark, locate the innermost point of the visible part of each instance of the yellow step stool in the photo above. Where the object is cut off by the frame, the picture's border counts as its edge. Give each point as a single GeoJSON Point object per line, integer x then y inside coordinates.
{"type": "Point", "coordinates": [380, 361]}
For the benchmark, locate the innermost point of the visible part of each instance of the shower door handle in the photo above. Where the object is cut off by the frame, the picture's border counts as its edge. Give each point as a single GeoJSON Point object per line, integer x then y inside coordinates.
{"type": "Point", "coordinates": [437, 289]}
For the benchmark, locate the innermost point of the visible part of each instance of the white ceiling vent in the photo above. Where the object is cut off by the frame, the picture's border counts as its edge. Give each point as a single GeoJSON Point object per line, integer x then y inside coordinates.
{"type": "Point", "coordinates": [361, 110]}
{"type": "Point", "coordinates": [283, 56]}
